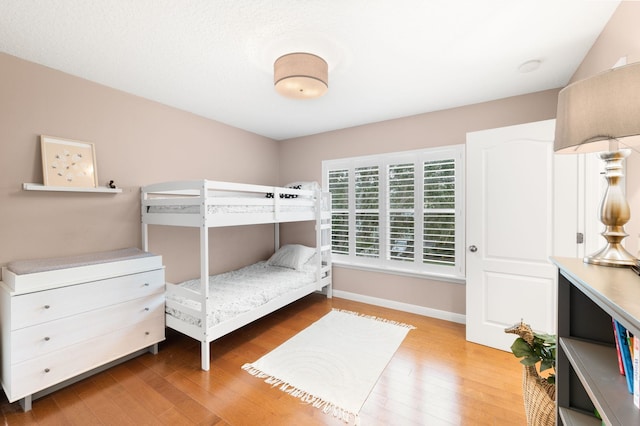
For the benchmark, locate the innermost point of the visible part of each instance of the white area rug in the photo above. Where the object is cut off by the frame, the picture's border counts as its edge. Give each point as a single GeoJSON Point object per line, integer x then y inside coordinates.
{"type": "Point", "coordinates": [334, 363]}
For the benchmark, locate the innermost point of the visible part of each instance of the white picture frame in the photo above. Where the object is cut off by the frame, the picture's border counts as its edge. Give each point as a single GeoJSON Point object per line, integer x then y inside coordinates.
{"type": "Point", "coordinates": [68, 163]}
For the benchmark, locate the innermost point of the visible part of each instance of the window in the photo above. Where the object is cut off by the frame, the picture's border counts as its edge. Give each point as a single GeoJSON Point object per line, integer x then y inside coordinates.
{"type": "Point", "coordinates": [400, 212]}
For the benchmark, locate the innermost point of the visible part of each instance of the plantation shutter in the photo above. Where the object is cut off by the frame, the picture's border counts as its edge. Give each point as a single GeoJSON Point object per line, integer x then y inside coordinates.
{"type": "Point", "coordinates": [339, 188]}
{"type": "Point", "coordinates": [401, 233]}
{"type": "Point", "coordinates": [439, 212]}
{"type": "Point", "coordinates": [367, 209]}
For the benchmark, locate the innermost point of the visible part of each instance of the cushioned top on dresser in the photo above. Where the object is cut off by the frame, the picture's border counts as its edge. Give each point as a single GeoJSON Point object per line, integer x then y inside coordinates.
{"type": "Point", "coordinates": [25, 276]}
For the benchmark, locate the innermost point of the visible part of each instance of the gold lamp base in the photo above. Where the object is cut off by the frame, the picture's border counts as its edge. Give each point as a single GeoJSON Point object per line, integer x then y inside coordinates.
{"type": "Point", "coordinates": [614, 213]}
{"type": "Point", "coordinates": [612, 255]}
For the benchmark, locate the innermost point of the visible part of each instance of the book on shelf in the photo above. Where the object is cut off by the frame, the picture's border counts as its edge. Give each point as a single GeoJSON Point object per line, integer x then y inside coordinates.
{"type": "Point", "coordinates": [625, 353]}
{"type": "Point", "coordinates": [636, 371]}
{"type": "Point", "coordinates": [615, 333]}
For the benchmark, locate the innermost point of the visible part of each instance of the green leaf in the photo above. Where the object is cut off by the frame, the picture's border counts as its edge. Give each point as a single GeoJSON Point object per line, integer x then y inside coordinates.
{"type": "Point", "coordinates": [530, 360]}
{"type": "Point", "coordinates": [521, 348]}
{"type": "Point", "coordinates": [546, 364]}
{"type": "Point", "coordinates": [546, 338]}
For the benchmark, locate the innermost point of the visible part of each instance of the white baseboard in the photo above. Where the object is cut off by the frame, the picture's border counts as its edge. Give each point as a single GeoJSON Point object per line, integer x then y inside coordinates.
{"type": "Point", "coordinates": [400, 306]}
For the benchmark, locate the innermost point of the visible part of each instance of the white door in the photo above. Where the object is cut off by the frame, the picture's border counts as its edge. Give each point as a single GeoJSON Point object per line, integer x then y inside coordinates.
{"type": "Point", "coordinates": [511, 205]}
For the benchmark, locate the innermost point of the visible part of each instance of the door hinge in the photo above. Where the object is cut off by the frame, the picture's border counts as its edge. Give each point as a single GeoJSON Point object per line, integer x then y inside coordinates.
{"type": "Point", "coordinates": [580, 238]}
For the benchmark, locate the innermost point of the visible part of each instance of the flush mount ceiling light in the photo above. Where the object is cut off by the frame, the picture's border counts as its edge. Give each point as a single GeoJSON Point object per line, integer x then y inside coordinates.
{"type": "Point", "coordinates": [529, 66]}
{"type": "Point", "coordinates": [300, 76]}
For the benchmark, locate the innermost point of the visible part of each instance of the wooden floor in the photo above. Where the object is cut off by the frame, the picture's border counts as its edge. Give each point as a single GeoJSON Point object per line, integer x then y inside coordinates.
{"type": "Point", "coordinates": [435, 378]}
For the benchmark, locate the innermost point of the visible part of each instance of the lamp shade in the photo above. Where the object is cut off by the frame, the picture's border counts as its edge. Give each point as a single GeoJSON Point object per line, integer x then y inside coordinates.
{"type": "Point", "coordinates": [300, 76]}
{"type": "Point", "coordinates": [596, 110]}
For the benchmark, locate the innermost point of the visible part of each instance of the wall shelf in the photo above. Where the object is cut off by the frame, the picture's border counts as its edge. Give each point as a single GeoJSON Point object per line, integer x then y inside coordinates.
{"type": "Point", "coordinates": [41, 187]}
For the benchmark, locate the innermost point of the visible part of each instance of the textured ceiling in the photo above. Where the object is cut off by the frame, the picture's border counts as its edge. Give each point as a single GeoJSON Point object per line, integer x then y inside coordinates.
{"type": "Point", "coordinates": [387, 58]}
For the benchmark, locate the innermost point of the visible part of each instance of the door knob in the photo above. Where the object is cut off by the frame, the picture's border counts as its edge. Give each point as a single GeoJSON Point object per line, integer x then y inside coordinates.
{"type": "Point", "coordinates": [473, 249]}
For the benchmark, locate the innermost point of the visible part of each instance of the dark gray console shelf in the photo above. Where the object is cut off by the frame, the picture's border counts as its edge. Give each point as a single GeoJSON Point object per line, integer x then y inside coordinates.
{"type": "Point", "coordinates": [587, 375]}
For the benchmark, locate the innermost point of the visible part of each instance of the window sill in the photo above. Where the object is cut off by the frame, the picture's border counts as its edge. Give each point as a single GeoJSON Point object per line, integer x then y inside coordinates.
{"type": "Point", "coordinates": [399, 271]}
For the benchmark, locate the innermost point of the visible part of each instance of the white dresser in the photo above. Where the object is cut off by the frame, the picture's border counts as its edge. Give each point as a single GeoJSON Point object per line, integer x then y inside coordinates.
{"type": "Point", "coordinates": [64, 319]}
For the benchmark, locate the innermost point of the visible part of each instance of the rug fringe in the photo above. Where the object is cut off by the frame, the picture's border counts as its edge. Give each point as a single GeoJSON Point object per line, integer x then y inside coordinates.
{"type": "Point", "coordinates": [326, 406]}
{"type": "Point", "coordinates": [373, 317]}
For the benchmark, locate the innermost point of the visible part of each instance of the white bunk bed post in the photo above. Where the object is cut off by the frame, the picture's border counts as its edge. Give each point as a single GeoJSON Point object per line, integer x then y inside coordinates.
{"type": "Point", "coordinates": [276, 205]}
{"type": "Point", "coordinates": [204, 277]}
{"type": "Point", "coordinates": [145, 227]}
{"type": "Point", "coordinates": [276, 236]}
{"type": "Point", "coordinates": [276, 224]}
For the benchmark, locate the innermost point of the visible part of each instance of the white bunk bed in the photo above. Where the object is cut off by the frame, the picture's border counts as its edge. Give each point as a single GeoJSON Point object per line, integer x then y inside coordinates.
{"type": "Point", "coordinates": [191, 306]}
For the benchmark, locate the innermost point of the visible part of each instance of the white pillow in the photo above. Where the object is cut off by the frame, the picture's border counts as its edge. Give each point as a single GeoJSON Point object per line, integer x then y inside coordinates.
{"type": "Point", "coordinates": [292, 256]}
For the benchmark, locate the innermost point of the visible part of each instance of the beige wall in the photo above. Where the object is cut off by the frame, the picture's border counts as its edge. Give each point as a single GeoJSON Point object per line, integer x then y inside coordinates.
{"type": "Point", "coordinates": [620, 38]}
{"type": "Point", "coordinates": [301, 159]}
{"type": "Point", "coordinates": [140, 142]}
{"type": "Point", "coordinates": [137, 142]}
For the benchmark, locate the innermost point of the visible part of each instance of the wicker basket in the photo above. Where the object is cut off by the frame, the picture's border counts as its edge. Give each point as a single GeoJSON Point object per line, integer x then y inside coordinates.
{"type": "Point", "coordinates": [539, 398]}
{"type": "Point", "coordinates": [539, 395]}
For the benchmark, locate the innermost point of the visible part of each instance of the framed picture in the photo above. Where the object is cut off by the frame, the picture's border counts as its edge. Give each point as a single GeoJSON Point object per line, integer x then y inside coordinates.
{"type": "Point", "coordinates": [68, 163]}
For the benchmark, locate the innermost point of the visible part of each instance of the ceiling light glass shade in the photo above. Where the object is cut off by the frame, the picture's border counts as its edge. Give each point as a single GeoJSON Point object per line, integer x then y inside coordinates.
{"type": "Point", "coordinates": [601, 114]}
{"type": "Point", "coordinates": [300, 76]}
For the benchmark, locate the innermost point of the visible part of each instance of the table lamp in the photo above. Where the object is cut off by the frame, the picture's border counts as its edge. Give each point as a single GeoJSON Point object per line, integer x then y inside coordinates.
{"type": "Point", "coordinates": [596, 115]}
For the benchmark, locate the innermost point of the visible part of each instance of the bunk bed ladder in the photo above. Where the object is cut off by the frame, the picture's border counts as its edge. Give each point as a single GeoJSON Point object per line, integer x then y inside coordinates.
{"type": "Point", "coordinates": [323, 248]}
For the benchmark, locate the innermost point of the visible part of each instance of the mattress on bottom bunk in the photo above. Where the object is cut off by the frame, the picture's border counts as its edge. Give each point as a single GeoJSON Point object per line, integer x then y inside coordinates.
{"type": "Point", "coordinates": [236, 292]}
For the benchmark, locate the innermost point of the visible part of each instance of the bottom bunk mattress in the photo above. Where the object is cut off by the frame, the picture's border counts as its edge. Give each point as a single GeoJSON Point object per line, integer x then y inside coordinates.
{"type": "Point", "coordinates": [236, 292]}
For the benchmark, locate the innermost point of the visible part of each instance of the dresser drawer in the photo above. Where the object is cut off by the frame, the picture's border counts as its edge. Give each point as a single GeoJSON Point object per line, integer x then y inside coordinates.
{"type": "Point", "coordinates": [40, 373]}
{"type": "Point", "coordinates": [38, 340]}
{"type": "Point", "coordinates": [35, 308]}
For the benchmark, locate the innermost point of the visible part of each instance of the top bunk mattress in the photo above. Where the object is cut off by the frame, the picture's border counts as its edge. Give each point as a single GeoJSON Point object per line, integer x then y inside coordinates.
{"type": "Point", "coordinates": [232, 206]}
{"type": "Point", "coordinates": [224, 198]}
{"type": "Point", "coordinates": [218, 204]}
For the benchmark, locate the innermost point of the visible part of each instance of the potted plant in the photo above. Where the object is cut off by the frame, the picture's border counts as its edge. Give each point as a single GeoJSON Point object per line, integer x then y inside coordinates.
{"type": "Point", "coordinates": [537, 350]}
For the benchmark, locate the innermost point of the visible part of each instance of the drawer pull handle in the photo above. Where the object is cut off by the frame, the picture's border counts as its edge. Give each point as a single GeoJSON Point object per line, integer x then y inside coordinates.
{"type": "Point", "coordinates": [146, 333]}
{"type": "Point", "coordinates": [47, 306]}
{"type": "Point", "coordinates": [146, 309]}
{"type": "Point", "coordinates": [46, 370]}
{"type": "Point", "coordinates": [46, 339]}
{"type": "Point", "coordinates": [146, 284]}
